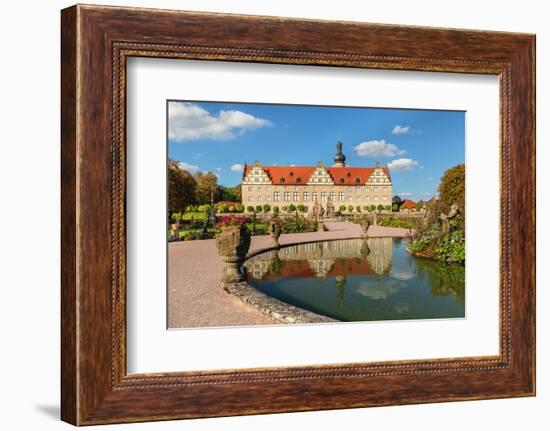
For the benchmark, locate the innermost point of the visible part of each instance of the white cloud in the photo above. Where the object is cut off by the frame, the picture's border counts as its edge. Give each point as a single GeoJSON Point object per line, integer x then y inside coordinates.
{"type": "Point", "coordinates": [377, 148]}
{"type": "Point", "coordinates": [401, 130]}
{"type": "Point", "coordinates": [237, 167]}
{"type": "Point", "coordinates": [219, 169]}
{"type": "Point", "coordinates": [188, 121]}
{"type": "Point", "coordinates": [402, 165]}
{"type": "Point", "coordinates": [406, 194]}
{"type": "Point", "coordinates": [193, 169]}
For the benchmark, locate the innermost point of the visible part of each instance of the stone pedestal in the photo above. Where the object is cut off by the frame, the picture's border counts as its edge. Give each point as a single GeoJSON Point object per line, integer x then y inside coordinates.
{"type": "Point", "coordinates": [275, 231]}
{"type": "Point", "coordinates": [365, 224]}
{"type": "Point", "coordinates": [232, 244]}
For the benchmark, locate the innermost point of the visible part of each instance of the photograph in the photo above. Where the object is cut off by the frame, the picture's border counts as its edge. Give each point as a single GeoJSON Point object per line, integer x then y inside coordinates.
{"type": "Point", "coordinates": [301, 214]}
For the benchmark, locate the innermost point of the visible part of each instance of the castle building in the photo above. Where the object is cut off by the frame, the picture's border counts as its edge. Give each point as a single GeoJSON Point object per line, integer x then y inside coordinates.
{"type": "Point", "coordinates": [305, 185]}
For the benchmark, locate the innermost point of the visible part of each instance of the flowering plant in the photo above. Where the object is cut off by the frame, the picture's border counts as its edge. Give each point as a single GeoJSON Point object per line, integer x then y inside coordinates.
{"type": "Point", "coordinates": [231, 221]}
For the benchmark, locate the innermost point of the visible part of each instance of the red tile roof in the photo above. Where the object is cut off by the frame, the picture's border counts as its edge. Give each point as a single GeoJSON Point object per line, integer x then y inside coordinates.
{"type": "Point", "coordinates": [407, 203]}
{"type": "Point", "coordinates": [294, 175]}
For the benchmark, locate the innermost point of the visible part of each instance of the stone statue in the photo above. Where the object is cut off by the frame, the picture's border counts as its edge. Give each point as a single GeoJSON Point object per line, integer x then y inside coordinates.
{"type": "Point", "coordinates": [315, 211]}
{"type": "Point", "coordinates": [444, 218]}
{"type": "Point", "coordinates": [330, 209]}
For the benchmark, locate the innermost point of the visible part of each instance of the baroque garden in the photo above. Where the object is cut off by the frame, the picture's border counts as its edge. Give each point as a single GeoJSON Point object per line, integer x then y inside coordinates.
{"type": "Point", "coordinates": [311, 222]}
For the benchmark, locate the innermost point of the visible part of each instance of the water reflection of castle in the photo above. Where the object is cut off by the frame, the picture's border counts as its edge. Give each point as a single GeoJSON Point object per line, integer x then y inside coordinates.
{"type": "Point", "coordinates": [322, 259]}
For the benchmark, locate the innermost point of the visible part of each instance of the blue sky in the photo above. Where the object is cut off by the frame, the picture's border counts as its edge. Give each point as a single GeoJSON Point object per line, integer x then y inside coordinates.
{"type": "Point", "coordinates": [417, 145]}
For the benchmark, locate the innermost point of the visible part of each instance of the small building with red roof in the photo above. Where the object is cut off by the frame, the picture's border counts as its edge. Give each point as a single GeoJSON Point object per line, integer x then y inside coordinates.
{"type": "Point", "coordinates": [306, 185]}
{"type": "Point", "coordinates": [408, 205]}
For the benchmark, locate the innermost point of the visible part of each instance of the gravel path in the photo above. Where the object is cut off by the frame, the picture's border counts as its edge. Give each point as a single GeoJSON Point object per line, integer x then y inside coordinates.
{"type": "Point", "coordinates": [195, 298]}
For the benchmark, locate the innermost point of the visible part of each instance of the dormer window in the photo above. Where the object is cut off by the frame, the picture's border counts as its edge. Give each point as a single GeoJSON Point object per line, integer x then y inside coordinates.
{"type": "Point", "coordinates": [298, 180]}
{"type": "Point", "coordinates": [349, 174]}
{"type": "Point", "coordinates": [282, 179]}
{"type": "Point", "coordinates": [341, 181]}
{"type": "Point", "coordinates": [357, 180]}
{"type": "Point", "coordinates": [291, 174]}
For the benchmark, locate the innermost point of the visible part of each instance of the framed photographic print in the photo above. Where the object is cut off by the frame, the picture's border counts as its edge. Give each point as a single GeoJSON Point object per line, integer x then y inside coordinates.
{"type": "Point", "coordinates": [264, 215]}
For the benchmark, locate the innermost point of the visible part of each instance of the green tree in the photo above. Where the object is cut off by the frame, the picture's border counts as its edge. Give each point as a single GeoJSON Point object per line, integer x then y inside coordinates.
{"type": "Point", "coordinates": [258, 208]}
{"type": "Point", "coordinates": [342, 208]}
{"type": "Point", "coordinates": [373, 207]}
{"type": "Point", "coordinates": [267, 208]}
{"type": "Point", "coordinates": [387, 207]}
{"type": "Point", "coordinates": [207, 187]}
{"type": "Point", "coordinates": [230, 194]}
{"type": "Point", "coordinates": [250, 208]}
{"type": "Point", "coordinates": [239, 208]}
{"type": "Point", "coordinates": [301, 208]}
{"type": "Point", "coordinates": [358, 208]}
{"type": "Point", "coordinates": [380, 207]}
{"type": "Point", "coordinates": [223, 208]}
{"type": "Point", "coordinates": [365, 207]}
{"type": "Point", "coordinates": [350, 208]}
{"type": "Point", "coordinates": [397, 200]}
{"type": "Point", "coordinates": [276, 209]}
{"type": "Point", "coordinates": [452, 188]}
{"type": "Point", "coordinates": [181, 188]}
{"type": "Point", "coordinates": [395, 207]}
{"type": "Point", "coordinates": [291, 208]}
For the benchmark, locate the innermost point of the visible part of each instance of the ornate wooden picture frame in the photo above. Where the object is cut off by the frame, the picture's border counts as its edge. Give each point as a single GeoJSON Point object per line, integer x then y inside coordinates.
{"type": "Point", "coordinates": [96, 42]}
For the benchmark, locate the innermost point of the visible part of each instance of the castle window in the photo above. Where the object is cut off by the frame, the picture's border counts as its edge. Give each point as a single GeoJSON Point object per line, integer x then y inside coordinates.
{"type": "Point", "coordinates": [296, 196]}
{"type": "Point", "coordinates": [276, 196]}
{"type": "Point", "coordinates": [298, 180]}
{"type": "Point", "coordinates": [340, 196]}
{"type": "Point", "coordinates": [314, 196]}
{"type": "Point", "coordinates": [332, 196]}
{"type": "Point", "coordinates": [323, 196]}
{"type": "Point", "coordinates": [287, 196]}
{"type": "Point", "coordinates": [282, 179]}
{"type": "Point", "coordinates": [306, 196]}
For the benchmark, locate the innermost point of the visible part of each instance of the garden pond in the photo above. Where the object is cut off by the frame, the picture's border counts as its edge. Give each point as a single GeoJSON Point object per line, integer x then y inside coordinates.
{"type": "Point", "coordinates": [360, 280]}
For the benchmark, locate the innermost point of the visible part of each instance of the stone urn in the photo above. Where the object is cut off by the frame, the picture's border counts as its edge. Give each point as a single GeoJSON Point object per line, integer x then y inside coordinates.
{"type": "Point", "coordinates": [365, 224]}
{"type": "Point", "coordinates": [232, 244]}
{"type": "Point", "coordinates": [275, 231]}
